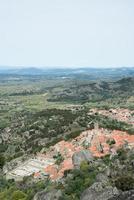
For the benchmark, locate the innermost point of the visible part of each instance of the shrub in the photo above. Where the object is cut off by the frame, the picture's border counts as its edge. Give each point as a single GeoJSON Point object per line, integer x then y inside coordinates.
{"type": "Point", "coordinates": [111, 142]}
{"type": "Point", "coordinates": [125, 183]}
{"type": "Point", "coordinates": [84, 166]}
{"type": "Point", "coordinates": [59, 159]}
{"type": "Point", "coordinates": [18, 195]}
{"type": "Point", "coordinates": [2, 160]}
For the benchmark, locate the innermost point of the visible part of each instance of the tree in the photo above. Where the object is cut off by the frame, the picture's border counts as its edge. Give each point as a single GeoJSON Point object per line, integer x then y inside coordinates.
{"type": "Point", "coordinates": [2, 160]}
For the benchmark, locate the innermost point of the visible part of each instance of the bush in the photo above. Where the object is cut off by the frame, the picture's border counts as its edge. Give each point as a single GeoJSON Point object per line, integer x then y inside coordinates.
{"type": "Point", "coordinates": [84, 166]}
{"type": "Point", "coordinates": [122, 154]}
{"type": "Point", "coordinates": [125, 183]}
{"type": "Point", "coordinates": [2, 160]}
{"type": "Point", "coordinates": [59, 159]}
{"type": "Point", "coordinates": [18, 195]}
{"type": "Point", "coordinates": [111, 142]}
{"type": "Point", "coordinates": [79, 181]}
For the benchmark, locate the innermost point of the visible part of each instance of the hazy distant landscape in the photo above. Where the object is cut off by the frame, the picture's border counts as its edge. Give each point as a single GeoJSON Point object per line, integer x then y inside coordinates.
{"type": "Point", "coordinates": [85, 73]}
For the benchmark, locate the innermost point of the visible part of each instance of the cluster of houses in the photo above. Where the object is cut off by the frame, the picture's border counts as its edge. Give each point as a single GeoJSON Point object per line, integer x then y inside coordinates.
{"type": "Point", "coordinates": [97, 141]}
{"type": "Point", "coordinates": [120, 114]}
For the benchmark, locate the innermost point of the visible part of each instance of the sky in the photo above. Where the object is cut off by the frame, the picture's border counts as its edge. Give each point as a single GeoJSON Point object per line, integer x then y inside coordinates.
{"type": "Point", "coordinates": [67, 33]}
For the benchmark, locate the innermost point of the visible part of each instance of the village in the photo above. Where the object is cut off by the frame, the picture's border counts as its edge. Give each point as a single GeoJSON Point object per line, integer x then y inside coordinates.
{"type": "Point", "coordinates": [59, 158]}
{"type": "Point", "coordinates": [119, 114]}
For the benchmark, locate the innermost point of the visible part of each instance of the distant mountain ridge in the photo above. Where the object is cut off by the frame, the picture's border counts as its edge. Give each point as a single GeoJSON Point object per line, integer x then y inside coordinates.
{"type": "Point", "coordinates": [79, 73]}
{"type": "Point", "coordinates": [22, 71]}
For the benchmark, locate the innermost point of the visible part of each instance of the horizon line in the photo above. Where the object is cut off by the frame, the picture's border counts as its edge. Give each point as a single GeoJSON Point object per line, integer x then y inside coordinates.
{"type": "Point", "coordinates": [60, 67]}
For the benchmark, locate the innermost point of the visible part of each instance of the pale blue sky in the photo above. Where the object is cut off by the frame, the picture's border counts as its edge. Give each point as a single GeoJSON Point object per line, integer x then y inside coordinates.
{"type": "Point", "coordinates": [68, 33]}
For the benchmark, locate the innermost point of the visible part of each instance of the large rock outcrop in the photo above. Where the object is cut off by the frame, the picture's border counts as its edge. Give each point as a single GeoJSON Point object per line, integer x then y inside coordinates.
{"type": "Point", "coordinates": [52, 195]}
{"type": "Point", "coordinates": [128, 195]}
{"type": "Point", "coordinates": [98, 192]}
{"type": "Point", "coordinates": [102, 190]}
{"type": "Point", "coordinates": [78, 157]}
